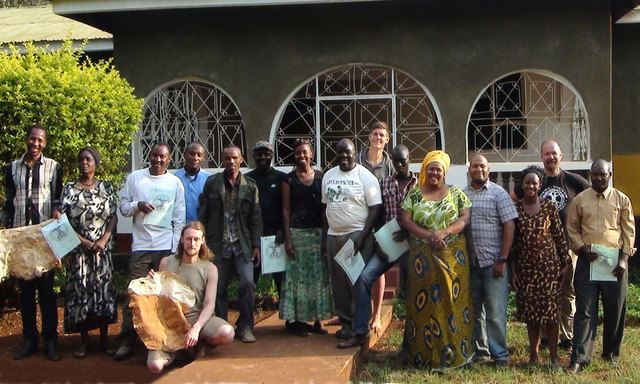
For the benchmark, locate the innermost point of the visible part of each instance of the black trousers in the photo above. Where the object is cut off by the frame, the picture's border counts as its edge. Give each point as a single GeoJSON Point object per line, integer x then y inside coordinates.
{"type": "Point", "coordinates": [139, 265]}
{"type": "Point", "coordinates": [585, 321]}
{"type": "Point", "coordinates": [48, 307]}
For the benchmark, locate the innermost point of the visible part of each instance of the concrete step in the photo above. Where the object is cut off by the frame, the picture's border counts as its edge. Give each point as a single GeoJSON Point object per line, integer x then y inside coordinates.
{"type": "Point", "coordinates": [278, 357]}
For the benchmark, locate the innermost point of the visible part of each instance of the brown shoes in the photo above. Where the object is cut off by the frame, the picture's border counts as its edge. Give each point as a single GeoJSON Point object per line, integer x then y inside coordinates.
{"type": "Point", "coordinates": [354, 341]}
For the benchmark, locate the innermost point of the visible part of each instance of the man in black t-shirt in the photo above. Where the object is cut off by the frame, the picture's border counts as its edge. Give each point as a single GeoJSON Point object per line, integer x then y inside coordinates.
{"type": "Point", "coordinates": [561, 187]}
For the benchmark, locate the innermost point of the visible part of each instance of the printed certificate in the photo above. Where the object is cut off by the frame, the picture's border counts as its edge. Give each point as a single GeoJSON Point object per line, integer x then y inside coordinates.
{"type": "Point", "coordinates": [384, 236]}
{"type": "Point", "coordinates": [606, 262]}
{"type": "Point", "coordinates": [162, 201]}
{"type": "Point", "coordinates": [60, 236]}
{"type": "Point", "coordinates": [351, 263]}
{"type": "Point", "coordinates": [273, 257]}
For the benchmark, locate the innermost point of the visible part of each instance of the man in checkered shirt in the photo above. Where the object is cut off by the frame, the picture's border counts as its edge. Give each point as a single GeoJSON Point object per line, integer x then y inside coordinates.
{"type": "Point", "coordinates": [489, 239]}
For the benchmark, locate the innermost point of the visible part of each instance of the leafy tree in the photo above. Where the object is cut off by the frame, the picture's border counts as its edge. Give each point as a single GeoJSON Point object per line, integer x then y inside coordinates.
{"type": "Point", "coordinates": [80, 102]}
{"type": "Point", "coordinates": [22, 3]}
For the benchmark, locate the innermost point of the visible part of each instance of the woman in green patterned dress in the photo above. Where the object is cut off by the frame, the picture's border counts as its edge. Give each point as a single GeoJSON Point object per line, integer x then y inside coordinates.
{"type": "Point", "coordinates": [306, 295]}
{"type": "Point", "coordinates": [439, 322]}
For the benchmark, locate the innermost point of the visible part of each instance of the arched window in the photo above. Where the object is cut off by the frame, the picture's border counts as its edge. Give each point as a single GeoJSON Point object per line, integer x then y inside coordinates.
{"type": "Point", "coordinates": [514, 115]}
{"type": "Point", "coordinates": [343, 102]}
{"type": "Point", "coordinates": [189, 111]}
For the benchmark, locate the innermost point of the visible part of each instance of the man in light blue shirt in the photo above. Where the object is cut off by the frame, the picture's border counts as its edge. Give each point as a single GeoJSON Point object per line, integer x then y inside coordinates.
{"type": "Point", "coordinates": [489, 238]}
{"type": "Point", "coordinates": [192, 178]}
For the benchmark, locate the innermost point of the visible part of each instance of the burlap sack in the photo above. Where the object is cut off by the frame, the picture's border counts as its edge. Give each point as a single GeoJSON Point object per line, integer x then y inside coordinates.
{"type": "Point", "coordinates": [24, 252]}
{"type": "Point", "coordinates": [158, 305]}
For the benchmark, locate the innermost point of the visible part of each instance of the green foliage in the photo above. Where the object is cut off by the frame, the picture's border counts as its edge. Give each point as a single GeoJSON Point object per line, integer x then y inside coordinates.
{"type": "Point", "coordinates": [80, 102]}
{"type": "Point", "coordinates": [22, 3]}
{"type": "Point", "coordinates": [399, 308]}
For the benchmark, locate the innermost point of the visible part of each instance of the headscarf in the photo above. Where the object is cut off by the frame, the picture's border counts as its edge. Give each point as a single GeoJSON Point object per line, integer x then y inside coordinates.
{"type": "Point", "coordinates": [440, 157]}
{"type": "Point", "coordinates": [94, 153]}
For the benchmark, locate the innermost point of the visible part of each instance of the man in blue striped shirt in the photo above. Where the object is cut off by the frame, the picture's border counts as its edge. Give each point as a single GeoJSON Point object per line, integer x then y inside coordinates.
{"type": "Point", "coordinates": [489, 239]}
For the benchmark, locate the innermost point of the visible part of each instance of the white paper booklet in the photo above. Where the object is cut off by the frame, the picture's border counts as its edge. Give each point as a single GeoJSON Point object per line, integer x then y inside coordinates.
{"type": "Point", "coordinates": [272, 256]}
{"type": "Point", "coordinates": [60, 236]}
{"type": "Point", "coordinates": [351, 263]}
{"type": "Point", "coordinates": [162, 201]}
{"type": "Point", "coordinates": [384, 236]}
{"type": "Point", "coordinates": [606, 262]}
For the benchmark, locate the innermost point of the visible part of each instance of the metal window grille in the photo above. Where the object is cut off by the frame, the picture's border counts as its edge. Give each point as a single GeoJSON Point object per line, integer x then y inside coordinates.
{"type": "Point", "coordinates": [345, 101]}
{"type": "Point", "coordinates": [517, 113]}
{"type": "Point", "coordinates": [190, 111]}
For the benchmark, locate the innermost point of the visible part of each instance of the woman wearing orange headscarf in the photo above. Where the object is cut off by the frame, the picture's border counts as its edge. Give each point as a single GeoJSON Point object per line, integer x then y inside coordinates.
{"type": "Point", "coordinates": [439, 311]}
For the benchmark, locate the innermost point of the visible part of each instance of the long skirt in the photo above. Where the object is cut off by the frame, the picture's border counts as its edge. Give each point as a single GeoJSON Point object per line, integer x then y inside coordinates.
{"type": "Point", "coordinates": [306, 293]}
{"type": "Point", "coordinates": [439, 309]}
{"type": "Point", "coordinates": [90, 291]}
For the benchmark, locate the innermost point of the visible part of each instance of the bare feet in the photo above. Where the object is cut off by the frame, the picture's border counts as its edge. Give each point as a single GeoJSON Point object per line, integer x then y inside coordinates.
{"type": "Point", "coordinates": [335, 321]}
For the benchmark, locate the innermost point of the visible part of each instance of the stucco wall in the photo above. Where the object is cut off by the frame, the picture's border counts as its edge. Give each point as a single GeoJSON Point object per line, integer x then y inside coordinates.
{"type": "Point", "coordinates": [259, 55]}
{"type": "Point", "coordinates": [626, 89]}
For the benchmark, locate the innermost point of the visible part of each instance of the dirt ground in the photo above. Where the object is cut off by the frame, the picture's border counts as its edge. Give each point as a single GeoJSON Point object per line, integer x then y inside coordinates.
{"type": "Point", "coordinates": [95, 367]}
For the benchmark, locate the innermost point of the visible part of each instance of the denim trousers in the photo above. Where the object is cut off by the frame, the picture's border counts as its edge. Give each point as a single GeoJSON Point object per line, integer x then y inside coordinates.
{"type": "Point", "coordinates": [490, 297]}
{"type": "Point", "coordinates": [371, 272]}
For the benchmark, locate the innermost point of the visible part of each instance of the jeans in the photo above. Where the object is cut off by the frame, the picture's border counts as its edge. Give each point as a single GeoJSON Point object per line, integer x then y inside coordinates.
{"type": "Point", "coordinates": [490, 297]}
{"type": "Point", "coordinates": [371, 272]}
{"type": "Point", "coordinates": [226, 268]}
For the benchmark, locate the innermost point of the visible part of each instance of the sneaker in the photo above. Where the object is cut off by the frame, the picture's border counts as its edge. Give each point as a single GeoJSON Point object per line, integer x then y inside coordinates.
{"type": "Point", "coordinates": [247, 336]}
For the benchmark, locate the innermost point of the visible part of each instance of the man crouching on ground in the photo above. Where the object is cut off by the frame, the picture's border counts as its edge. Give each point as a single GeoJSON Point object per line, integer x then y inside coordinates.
{"type": "Point", "coordinates": [192, 264]}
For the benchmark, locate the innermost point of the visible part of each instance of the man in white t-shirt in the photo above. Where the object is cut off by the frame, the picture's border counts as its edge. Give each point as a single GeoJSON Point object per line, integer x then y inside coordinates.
{"type": "Point", "coordinates": [154, 198]}
{"type": "Point", "coordinates": [353, 203]}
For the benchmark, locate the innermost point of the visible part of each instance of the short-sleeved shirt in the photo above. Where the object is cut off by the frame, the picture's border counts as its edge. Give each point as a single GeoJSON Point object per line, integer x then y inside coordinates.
{"type": "Point", "coordinates": [492, 207]}
{"type": "Point", "coordinates": [393, 196]}
{"type": "Point", "coordinates": [193, 186]}
{"type": "Point", "coordinates": [561, 189]}
{"type": "Point", "coordinates": [439, 214]}
{"type": "Point", "coordinates": [348, 196]}
{"type": "Point", "coordinates": [305, 201]}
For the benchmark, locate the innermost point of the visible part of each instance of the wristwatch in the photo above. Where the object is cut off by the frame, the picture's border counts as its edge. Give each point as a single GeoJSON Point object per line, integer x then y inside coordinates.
{"type": "Point", "coordinates": [502, 260]}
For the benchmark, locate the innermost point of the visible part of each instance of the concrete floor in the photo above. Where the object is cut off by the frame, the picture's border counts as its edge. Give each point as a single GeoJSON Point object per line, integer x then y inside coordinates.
{"type": "Point", "coordinates": [276, 357]}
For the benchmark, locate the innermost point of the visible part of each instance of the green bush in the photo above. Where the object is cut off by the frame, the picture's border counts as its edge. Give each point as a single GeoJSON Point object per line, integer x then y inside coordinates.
{"type": "Point", "coordinates": [80, 102]}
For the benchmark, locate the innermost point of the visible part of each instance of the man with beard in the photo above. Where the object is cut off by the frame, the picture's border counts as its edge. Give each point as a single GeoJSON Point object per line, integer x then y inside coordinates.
{"type": "Point", "coordinates": [489, 238]}
{"type": "Point", "coordinates": [230, 212]}
{"type": "Point", "coordinates": [193, 178]}
{"type": "Point", "coordinates": [353, 204]}
{"type": "Point", "coordinates": [192, 264]}
{"type": "Point", "coordinates": [155, 199]}
{"type": "Point", "coordinates": [561, 187]}
{"type": "Point", "coordinates": [33, 182]}
{"type": "Point", "coordinates": [600, 216]}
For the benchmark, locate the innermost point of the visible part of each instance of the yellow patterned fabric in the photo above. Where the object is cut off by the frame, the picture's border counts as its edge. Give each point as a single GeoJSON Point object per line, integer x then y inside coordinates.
{"type": "Point", "coordinates": [439, 310]}
{"type": "Point", "coordinates": [440, 157]}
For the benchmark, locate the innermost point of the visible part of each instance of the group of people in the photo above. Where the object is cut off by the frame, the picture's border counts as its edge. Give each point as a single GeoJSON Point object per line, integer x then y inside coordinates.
{"type": "Point", "coordinates": [467, 246]}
